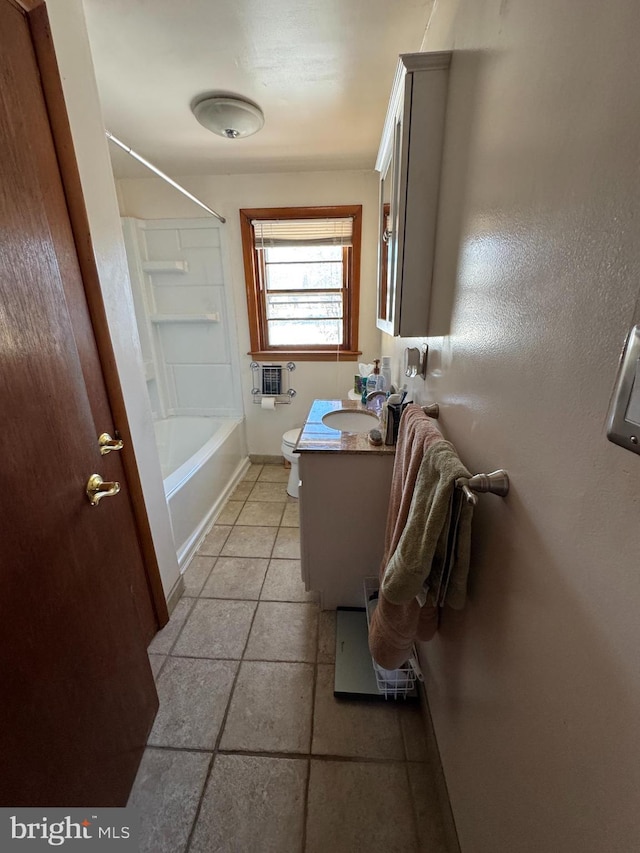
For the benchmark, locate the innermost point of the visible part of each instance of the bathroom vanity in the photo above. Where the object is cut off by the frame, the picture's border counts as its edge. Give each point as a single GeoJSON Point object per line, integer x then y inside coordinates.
{"type": "Point", "coordinates": [344, 496]}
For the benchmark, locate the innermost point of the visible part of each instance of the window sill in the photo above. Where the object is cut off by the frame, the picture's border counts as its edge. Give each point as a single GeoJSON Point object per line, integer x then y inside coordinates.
{"type": "Point", "coordinates": [306, 355]}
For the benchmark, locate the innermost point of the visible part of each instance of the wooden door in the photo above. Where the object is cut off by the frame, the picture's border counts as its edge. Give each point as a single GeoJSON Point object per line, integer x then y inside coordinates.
{"type": "Point", "coordinates": [77, 694]}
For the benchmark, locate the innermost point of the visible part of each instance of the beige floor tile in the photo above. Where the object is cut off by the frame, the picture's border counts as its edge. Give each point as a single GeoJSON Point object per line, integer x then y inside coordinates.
{"type": "Point", "coordinates": [156, 662]}
{"type": "Point", "coordinates": [354, 806]}
{"type": "Point", "coordinates": [291, 517]}
{"type": "Point", "coordinates": [269, 492]}
{"type": "Point", "coordinates": [193, 697]}
{"type": "Point", "coordinates": [214, 540]}
{"type": "Point", "coordinates": [236, 577]}
{"type": "Point", "coordinates": [287, 545]}
{"type": "Point", "coordinates": [196, 574]}
{"type": "Point", "coordinates": [261, 513]}
{"type": "Point", "coordinates": [351, 728]}
{"type": "Point", "coordinates": [327, 636]}
{"type": "Point", "coordinates": [253, 472]}
{"type": "Point", "coordinates": [252, 805]}
{"type": "Point", "coordinates": [216, 629]}
{"type": "Point", "coordinates": [167, 791]}
{"type": "Point", "coordinates": [241, 491]}
{"type": "Point", "coordinates": [283, 583]}
{"type": "Point", "coordinates": [271, 708]}
{"type": "Point", "coordinates": [230, 512]}
{"type": "Point", "coordinates": [436, 829]}
{"type": "Point", "coordinates": [283, 631]}
{"type": "Point", "coordinates": [250, 542]}
{"type": "Point", "coordinates": [163, 640]}
{"type": "Point", "coordinates": [274, 474]}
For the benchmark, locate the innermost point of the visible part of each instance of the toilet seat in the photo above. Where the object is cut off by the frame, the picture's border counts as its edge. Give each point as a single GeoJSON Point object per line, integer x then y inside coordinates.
{"type": "Point", "coordinates": [290, 437]}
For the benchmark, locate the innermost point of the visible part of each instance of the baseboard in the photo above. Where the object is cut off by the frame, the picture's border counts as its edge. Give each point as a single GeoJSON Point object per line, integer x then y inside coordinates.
{"type": "Point", "coordinates": [261, 459]}
{"type": "Point", "coordinates": [448, 820]}
{"type": "Point", "coordinates": [190, 548]}
{"type": "Point", "coordinates": [175, 595]}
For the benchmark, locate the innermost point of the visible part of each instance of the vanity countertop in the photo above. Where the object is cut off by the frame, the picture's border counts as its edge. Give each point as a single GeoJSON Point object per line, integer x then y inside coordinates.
{"type": "Point", "coordinates": [318, 438]}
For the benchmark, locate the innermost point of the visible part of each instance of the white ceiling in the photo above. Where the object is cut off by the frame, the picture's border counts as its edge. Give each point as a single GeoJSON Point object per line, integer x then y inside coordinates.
{"type": "Point", "coordinates": [320, 69]}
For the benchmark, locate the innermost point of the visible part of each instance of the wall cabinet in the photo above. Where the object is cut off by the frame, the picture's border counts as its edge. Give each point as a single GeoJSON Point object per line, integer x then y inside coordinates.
{"type": "Point", "coordinates": [409, 162]}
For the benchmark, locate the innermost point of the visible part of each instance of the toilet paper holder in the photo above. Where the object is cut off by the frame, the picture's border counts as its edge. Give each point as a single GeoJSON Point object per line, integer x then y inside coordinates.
{"type": "Point", "coordinates": [272, 381]}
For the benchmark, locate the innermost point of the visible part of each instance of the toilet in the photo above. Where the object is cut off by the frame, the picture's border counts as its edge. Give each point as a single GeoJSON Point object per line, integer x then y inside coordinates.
{"type": "Point", "coordinates": [288, 443]}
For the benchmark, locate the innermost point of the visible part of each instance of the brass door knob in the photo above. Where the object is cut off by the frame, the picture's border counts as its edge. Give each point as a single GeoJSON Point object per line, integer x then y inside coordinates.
{"type": "Point", "coordinates": [97, 489]}
{"type": "Point", "coordinates": [107, 444]}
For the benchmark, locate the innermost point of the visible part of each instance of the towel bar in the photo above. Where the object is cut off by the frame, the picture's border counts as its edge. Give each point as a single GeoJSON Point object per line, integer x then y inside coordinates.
{"type": "Point", "coordinates": [497, 482]}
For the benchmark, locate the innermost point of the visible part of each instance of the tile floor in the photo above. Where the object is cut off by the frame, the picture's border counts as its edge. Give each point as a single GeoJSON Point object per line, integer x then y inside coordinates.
{"type": "Point", "coordinates": [250, 750]}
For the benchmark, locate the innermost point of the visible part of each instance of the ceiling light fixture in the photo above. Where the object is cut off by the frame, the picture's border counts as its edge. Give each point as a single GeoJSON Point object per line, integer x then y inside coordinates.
{"type": "Point", "coordinates": [228, 116]}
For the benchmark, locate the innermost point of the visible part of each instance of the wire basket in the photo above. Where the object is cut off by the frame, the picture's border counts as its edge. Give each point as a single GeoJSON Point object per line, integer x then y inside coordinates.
{"type": "Point", "coordinates": [392, 683]}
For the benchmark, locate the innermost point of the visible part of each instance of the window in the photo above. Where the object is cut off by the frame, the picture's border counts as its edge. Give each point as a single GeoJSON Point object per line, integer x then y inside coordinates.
{"type": "Point", "coordinates": [302, 271]}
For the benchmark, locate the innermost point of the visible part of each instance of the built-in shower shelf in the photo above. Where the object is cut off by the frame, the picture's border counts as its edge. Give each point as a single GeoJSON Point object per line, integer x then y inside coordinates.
{"type": "Point", "coordinates": [165, 266]}
{"type": "Point", "coordinates": [185, 318]}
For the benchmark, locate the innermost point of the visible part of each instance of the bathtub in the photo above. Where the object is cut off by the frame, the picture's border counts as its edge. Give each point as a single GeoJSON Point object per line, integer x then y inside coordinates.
{"type": "Point", "coordinates": [202, 459]}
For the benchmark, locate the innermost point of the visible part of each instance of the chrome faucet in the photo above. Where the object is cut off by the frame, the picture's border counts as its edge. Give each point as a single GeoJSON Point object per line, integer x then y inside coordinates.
{"type": "Point", "coordinates": [373, 394]}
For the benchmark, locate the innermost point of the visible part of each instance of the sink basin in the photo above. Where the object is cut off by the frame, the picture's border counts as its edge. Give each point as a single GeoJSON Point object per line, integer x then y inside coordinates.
{"type": "Point", "coordinates": [351, 420]}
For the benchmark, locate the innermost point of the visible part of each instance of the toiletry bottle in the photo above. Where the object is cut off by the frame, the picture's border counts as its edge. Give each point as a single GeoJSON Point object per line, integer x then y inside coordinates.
{"type": "Point", "coordinates": [385, 373]}
{"type": "Point", "coordinates": [373, 378]}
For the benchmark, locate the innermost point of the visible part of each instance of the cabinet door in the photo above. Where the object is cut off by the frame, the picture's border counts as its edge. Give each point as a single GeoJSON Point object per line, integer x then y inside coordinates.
{"type": "Point", "coordinates": [409, 163]}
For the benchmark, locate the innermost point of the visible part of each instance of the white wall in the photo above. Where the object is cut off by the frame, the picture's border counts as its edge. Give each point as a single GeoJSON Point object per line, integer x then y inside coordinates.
{"type": "Point", "coordinates": [81, 97]}
{"type": "Point", "coordinates": [151, 198]}
{"type": "Point", "coordinates": [535, 687]}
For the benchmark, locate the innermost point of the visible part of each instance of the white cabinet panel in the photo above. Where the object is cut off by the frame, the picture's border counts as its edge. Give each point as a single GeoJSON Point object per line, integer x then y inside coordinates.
{"type": "Point", "coordinates": [343, 511]}
{"type": "Point", "coordinates": [409, 162]}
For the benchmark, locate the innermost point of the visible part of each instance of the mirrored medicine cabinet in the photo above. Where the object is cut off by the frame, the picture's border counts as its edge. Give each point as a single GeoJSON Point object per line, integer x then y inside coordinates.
{"type": "Point", "coordinates": [409, 163]}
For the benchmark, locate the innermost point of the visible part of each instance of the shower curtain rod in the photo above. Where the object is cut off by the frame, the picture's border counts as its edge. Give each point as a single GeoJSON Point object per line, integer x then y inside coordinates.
{"type": "Point", "coordinates": [162, 175]}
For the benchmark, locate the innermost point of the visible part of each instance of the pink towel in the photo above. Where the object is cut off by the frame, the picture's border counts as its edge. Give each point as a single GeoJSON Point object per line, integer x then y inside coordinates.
{"type": "Point", "coordinates": [395, 627]}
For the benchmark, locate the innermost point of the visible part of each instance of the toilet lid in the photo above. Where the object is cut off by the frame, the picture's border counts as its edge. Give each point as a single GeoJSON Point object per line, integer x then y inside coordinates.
{"type": "Point", "coordinates": [291, 437]}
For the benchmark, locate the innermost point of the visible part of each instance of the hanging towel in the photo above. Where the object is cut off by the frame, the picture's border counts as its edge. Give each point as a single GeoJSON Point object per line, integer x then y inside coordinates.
{"type": "Point", "coordinates": [433, 551]}
{"type": "Point", "coordinates": [416, 433]}
{"type": "Point", "coordinates": [394, 628]}
{"type": "Point", "coordinates": [426, 544]}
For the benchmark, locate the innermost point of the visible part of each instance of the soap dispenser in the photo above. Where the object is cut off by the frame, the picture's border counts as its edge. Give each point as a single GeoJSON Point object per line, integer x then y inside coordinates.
{"type": "Point", "coordinates": [373, 380]}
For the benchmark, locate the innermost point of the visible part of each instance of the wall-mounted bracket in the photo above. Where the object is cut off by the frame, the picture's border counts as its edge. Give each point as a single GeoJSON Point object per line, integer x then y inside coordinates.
{"type": "Point", "coordinates": [415, 361]}
{"type": "Point", "coordinates": [272, 380]}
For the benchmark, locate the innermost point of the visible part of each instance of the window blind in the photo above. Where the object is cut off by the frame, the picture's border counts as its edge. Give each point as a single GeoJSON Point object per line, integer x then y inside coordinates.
{"type": "Point", "coordinates": [289, 233]}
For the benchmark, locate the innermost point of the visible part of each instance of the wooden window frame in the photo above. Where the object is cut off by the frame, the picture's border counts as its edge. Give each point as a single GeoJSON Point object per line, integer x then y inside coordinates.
{"type": "Point", "coordinates": [254, 276]}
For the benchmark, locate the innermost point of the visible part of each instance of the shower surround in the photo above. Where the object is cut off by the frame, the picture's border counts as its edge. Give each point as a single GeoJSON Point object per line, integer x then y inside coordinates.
{"type": "Point", "coordinates": [184, 310]}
